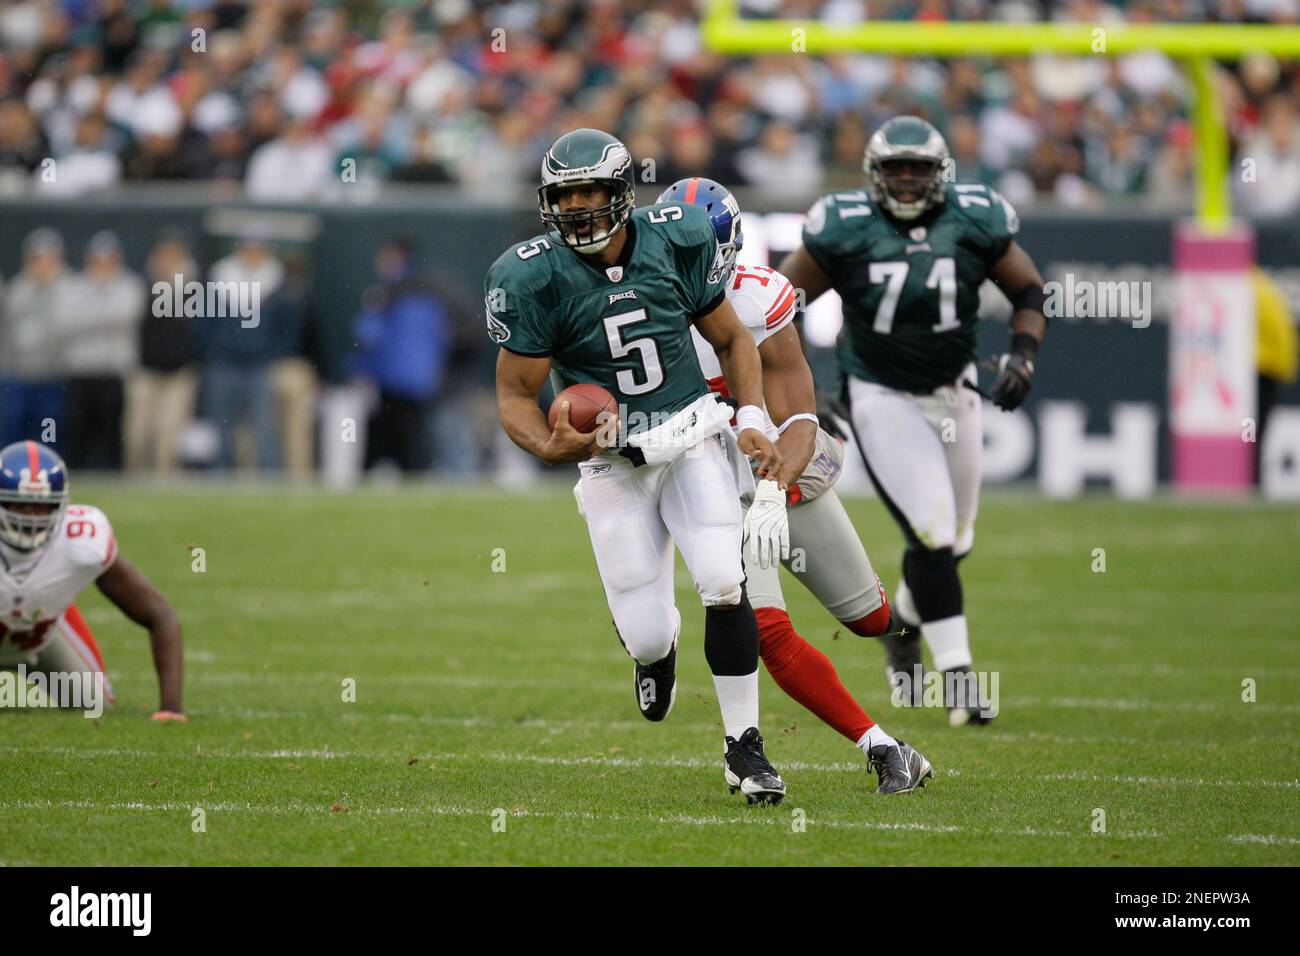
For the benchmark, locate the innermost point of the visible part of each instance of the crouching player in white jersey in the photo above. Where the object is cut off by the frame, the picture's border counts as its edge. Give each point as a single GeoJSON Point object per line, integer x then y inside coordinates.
{"type": "Point", "coordinates": [832, 563]}
{"type": "Point", "coordinates": [49, 551]}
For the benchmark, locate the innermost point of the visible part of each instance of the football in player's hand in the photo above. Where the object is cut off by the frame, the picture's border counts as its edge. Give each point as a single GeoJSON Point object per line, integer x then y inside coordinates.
{"type": "Point", "coordinates": [586, 402]}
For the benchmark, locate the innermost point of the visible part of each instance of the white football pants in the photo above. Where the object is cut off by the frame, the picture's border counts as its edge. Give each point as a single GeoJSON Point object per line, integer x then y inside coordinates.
{"type": "Point", "coordinates": [923, 455]}
{"type": "Point", "coordinates": [636, 514]}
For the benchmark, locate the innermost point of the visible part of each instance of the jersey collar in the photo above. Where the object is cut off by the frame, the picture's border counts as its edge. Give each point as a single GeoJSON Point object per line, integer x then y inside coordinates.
{"type": "Point", "coordinates": [624, 257]}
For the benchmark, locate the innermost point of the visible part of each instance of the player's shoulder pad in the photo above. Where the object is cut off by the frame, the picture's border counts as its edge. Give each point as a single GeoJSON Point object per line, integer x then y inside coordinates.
{"type": "Point", "coordinates": [519, 281]}
{"type": "Point", "coordinates": [836, 224]}
{"type": "Point", "coordinates": [828, 213]}
{"type": "Point", "coordinates": [814, 220]}
{"type": "Point", "coordinates": [89, 535]}
{"type": "Point", "coordinates": [837, 218]}
{"type": "Point", "coordinates": [986, 209]}
{"type": "Point", "coordinates": [684, 226]}
{"type": "Point", "coordinates": [762, 307]}
{"type": "Point", "coordinates": [525, 267]}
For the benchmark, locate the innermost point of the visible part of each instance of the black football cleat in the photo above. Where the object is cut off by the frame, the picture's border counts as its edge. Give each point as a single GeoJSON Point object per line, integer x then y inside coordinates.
{"type": "Point", "coordinates": [656, 686]}
{"type": "Point", "coordinates": [962, 697]}
{"type": "Point", "coordinates": [748, 770]}
{"type": "Point", "coordinates": [903, 668]}
{"type": "Point", "coordinates": [900, 767]}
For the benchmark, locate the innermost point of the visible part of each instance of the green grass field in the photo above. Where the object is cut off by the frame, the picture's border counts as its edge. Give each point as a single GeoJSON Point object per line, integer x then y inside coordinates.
{"type": "Point", "coordinates": [479, 691]}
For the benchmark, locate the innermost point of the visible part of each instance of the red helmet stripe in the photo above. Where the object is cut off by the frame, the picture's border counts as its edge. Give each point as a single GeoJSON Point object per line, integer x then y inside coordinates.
{"type": "Point", "coordinates": [690, 190]}
{"type": "Point", "coordinates": [33, 459]}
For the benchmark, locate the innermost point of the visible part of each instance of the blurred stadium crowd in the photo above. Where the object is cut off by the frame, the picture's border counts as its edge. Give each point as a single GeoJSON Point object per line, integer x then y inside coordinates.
{"type": "Point", "coordinates": [273, 97]}
{"type": "Point", "coordinates": [300, 101]}
{"type": "Point", "coordinates": [109, 367]}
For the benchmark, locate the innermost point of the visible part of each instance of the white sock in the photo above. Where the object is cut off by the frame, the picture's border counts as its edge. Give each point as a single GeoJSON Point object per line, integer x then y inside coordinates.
{"type": "Point", "coordinates": [738, 698]}
{"type": "Point", "coordinates": [948, 642]}
{"type": "Point", "coordinates": [905, 607]}
{"type": "Point", "coordinates": [874, 738]}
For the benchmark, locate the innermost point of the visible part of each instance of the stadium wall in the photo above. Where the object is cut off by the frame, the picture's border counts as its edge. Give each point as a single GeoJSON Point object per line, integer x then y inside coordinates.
{"type": "Point", "coordinates": [1097, 415]}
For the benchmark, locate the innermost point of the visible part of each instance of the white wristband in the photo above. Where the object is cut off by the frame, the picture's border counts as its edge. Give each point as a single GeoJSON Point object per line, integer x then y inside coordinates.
{"type": "Point", "coordinates": [749, 416]}
{"type": "Point", "coordinates": [801, 417]}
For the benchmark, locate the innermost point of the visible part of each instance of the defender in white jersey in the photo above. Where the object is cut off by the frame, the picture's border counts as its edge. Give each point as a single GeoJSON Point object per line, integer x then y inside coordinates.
{"type": "Point", "coordinates": [807, 527]}
{"type": "Point", "coordinates": [49, 552]}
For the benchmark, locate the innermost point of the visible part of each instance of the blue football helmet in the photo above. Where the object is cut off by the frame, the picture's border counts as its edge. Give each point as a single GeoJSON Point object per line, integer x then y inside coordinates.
{"type": "Point", "coordinates": [720, 204]}
{"type": "Point", "coordinates": [31, 474]}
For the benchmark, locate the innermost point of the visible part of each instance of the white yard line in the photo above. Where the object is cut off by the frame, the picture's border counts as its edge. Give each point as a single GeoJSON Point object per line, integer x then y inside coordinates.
{"type": "Point", "coordinates": [686, 763]}
{"type": "Point", "coordinates": [755, 819]}
{"type": "Point", "coordinates": [1268, 839]}
{"type": "Point", "coordinates": [470, 681]}
{"type": "Point", "coordinates": [1126, 703]}
{"type": "Point", "coordinates": [1170, 781]}
{"type": "Point", "coordinates": [769, 819]}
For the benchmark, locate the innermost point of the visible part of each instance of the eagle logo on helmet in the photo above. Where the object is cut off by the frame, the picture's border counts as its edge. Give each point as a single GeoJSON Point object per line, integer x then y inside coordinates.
{"type": "Point", "coordinates": [614, 152]}
{"type": "Point", "coordinates": [894, 154]}
{"type": "Point", "coordinates": [586, 156]}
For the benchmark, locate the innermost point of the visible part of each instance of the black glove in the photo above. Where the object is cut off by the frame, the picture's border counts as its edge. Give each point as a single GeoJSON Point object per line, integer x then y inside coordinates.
{"type": "Point", "coordinates": [828, 408]}
{"type": "Point", "coordinates": [1016, 372]}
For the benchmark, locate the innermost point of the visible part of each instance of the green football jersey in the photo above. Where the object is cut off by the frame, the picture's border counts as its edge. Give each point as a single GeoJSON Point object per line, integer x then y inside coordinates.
{"type": "Point", "coordinates": [626, 327]}
{"type": "Point", "coordinates": [910, 290]}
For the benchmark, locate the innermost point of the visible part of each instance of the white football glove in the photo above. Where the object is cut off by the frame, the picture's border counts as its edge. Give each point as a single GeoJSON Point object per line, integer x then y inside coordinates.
{"type": "Point", "coordinates": [767, 527]}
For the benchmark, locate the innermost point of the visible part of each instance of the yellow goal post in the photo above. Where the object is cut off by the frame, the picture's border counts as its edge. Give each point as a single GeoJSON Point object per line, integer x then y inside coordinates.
{"type": "Point", "coordinates": [1196, 46]}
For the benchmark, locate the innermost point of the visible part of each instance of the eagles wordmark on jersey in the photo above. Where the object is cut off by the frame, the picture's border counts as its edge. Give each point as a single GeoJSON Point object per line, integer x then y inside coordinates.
{"type": "Point", "coordinates": [624, 327]}
{"type": "Point", "coordinates": [910, 288]}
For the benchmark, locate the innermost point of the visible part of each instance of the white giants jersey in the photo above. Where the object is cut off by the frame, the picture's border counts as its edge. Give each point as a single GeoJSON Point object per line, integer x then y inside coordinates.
{"type": "Point", "coordinates": [765, 302]}
{"type": "Point", "coordinates": [34, 594]}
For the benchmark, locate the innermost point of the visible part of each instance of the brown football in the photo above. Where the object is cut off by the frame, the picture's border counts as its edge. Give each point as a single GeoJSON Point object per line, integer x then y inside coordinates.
{"type": "Point", "coordinates": [586, 402]}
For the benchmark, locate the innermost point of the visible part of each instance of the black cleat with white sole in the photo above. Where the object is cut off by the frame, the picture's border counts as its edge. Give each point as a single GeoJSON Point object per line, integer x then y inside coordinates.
{"type": "Point", "coordinates": [903, 667]}
{"type": "Point", "coordinates": [656, 686]}
{"type": "Point", "coordinates": [748, 769]}
{"type": "Point", "coordinates": [900, 767]}
{"type": "Point", "coordinates": [964, 699]}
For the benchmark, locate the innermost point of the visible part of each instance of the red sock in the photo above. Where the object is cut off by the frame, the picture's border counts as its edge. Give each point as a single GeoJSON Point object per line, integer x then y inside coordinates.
{"type": "Point", "coordinates": [875, 623]}
{"type": "Point", "coordinates": [807, 675]}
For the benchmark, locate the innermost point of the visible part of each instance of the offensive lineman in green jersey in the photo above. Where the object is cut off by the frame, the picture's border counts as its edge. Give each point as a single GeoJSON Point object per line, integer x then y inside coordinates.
{"type": "Point", "coordinates": [908, 256]}
{"type": "Point", "coordinates": [608, 296]}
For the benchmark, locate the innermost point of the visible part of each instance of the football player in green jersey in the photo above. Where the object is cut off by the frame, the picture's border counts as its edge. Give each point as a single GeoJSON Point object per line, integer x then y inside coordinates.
{"type": "Point", "coordinates": [907, 256]}
{"type": "Point", "coordinates": [608, 296]}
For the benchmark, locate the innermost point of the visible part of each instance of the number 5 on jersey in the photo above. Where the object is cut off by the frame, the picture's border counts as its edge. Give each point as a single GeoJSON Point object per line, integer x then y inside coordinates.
{"type": "Point", "coordinates": [653, 372]}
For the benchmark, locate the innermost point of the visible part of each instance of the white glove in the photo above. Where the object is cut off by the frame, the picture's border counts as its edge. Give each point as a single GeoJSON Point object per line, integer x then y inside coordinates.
{"type": "Point", "coordinates": [767, 527]}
